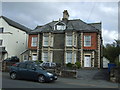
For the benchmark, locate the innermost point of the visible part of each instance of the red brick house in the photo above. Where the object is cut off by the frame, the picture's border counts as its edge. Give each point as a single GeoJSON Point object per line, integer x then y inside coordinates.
{"type": "Point", "coordinates": [67, 41]}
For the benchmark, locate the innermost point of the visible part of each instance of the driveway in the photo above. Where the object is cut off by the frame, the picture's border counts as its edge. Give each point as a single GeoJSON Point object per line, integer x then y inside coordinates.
{"type": "Point", "coordinates": [93, 74]}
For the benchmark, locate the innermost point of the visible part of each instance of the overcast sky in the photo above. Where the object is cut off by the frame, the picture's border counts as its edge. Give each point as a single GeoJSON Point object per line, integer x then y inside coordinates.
{"type": "Point", "coordinates": [31, 14]}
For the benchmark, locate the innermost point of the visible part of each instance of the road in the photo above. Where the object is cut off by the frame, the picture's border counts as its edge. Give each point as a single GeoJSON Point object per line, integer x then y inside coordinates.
{"type": "Point", "coordinates": [60, 83]}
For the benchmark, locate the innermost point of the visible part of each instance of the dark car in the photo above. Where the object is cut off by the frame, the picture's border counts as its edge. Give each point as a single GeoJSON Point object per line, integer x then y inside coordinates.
{"type": "Point", "coordinates": [12, 59]}
{"type": "Point", "coordinates": [31, 71]}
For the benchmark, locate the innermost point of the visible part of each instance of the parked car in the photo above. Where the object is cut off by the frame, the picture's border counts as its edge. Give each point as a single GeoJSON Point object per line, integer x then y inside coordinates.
{"type": "Point", "coordinates": [32, 71]}
{"type": "Point", "coordinates": [12, 59]}
{"type": "Point", "coordinates": [48, 64]}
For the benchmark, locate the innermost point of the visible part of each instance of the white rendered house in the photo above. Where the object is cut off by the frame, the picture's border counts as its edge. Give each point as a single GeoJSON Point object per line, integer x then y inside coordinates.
{"type": "Point", "coordinates": [13, 38]}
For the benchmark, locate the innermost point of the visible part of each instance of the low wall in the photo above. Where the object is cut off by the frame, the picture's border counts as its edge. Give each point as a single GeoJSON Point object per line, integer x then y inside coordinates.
{"type": "Point", "coordinates": [115, 74]}
{"type": "Point", "coordinates": [64, 73]}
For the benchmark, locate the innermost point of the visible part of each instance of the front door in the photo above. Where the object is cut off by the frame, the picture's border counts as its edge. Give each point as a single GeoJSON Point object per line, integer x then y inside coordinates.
{"type": "Point", "coordinates": [34, 57]}
{"type": "Point", "coordinates": [87, 61]}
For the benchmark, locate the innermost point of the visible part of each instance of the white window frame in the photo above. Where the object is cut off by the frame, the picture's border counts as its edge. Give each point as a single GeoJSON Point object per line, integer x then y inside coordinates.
{"type": "Point", "coordinates": [34, 43]}
{"type": "Point", "coordinates": [75, 57]}
{"type": "Point", "coordinates": [25, 56]}
{"type": "Point", "coordinates": [68, 39]}
{"type": "Point", "coordinates": [49, 56]}
{"type": "Point", "coordinates": [68, 61]}
{"type": "Point", "coordinates": [75, 40]}
{"type": "Point", "coordinates": [43, 57]}
{"type": "Point", "coordinates": [60, 27]}
{"type": "Point", "coordinates": [86, 41]}
{"type": "Point", "coordinates": [44, 44]}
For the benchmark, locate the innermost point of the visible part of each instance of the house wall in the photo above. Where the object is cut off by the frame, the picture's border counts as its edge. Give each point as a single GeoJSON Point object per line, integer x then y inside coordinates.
{"type": "Point", "coordinates": [59, 41]}
{"type": "Point", "coordinates": [93, 40]}
{"type": "Point", "coordinates": [30, 41]}
{"type": "Point", "coordinates": [14, 39]}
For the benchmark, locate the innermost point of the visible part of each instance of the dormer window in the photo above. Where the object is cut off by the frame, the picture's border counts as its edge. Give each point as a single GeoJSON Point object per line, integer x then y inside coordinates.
{"type": "Point", "coordinates": [60, 27]}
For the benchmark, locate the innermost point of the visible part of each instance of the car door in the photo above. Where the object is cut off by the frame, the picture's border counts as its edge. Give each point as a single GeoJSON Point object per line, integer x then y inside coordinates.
{"type": "Point", "coordinates": [31, 72]}
{"type": "Point", "coordinates": [22, 70]}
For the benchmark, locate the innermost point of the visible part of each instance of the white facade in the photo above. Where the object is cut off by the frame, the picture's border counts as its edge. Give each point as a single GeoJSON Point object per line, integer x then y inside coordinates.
{"type": "Point", "coordinates": [14, 39]}
{"type": "Point", "coordinates": [105, 62]}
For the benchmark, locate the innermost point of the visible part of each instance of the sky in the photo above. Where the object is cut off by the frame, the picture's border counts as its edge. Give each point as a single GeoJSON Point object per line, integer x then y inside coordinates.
{"type": "Point", "coordinates": [31, 14]}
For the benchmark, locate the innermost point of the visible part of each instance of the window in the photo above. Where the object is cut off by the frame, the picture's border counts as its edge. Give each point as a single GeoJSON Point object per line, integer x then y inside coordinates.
{"type": "Point", "coordinates": [60, 27]}
{"type": "Point", "coordinates": [30, 67]}
{"type": "Point", "coordinates": [75, 40]}
{"type": "Point", "coordinates": [34, 42]}
{"type": "Point", "coordinates": [69, 40]}
{"type": "Point", "coordinates": [1, 30]}
{"type": "Point", "coordinates": [74, 57]}
{"type": "Point", "coordinates": [69, 57]}
{"type": "Point", "coordinates": [1, 41]}
{"type": "Point", "coordinates": [45, 40]}
{"type": "Point", "coordinates": [45, 56]}
{"type": "Point", "coordinates": [22, 65]}
{"type": "Point", "coordinates": [87, 41]}
{"type": "Point", "coordinates": [51, 41]}
{"type": "Point", "coordinates": [25, 57]}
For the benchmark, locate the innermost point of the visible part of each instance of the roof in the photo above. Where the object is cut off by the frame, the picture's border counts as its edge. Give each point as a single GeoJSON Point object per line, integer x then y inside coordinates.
{"type": "Point", "coordinates": [15, 24]}
{"type": "Point", "coordinates": [75, 25]}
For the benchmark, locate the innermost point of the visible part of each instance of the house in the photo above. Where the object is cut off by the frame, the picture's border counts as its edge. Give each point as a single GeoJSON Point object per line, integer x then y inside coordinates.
{"type": "Point", "coordinates": [13, 38]}
{"type": "Point", "coordinates": [66, 41]}
{"type": "Point", "coordinates": [105, 62]}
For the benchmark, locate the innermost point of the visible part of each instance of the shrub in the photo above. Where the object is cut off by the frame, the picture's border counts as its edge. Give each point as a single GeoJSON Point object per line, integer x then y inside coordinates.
{"type": "Point", "coordinates": [39, 61]}
{"type": "Point", "coordinates": [78, 64]}
{"type": "Point", "coordinates": [69, 65]}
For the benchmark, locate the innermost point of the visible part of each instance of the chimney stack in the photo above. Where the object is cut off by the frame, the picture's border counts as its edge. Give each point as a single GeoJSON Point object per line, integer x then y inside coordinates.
{"type": "Point", "coordinates": [65, 15]}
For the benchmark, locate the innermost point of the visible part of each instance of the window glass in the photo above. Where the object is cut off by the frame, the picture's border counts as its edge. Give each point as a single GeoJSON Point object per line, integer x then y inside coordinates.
{"type": "Point", "coordinates": [45, 56]}
{"type": "Point", "coordinates": [1, 42]}
{"type": "Point", "coordinates": [75, 41]}
{"type": "Point", "coordinates": [45, 40]}
{"type": "Point", "coordinates": [69, 57]}
{"type": "Point", "coordinates": [30, 66]}
{"type": "Point", "coordinates": [60, 27]}
{"type": "Point", "coordinates": [1, 30]}
{"type": "Point", "coordinates": [22, 65]}
{"type": "Point", "coordinates": [34, 41]}
{"type": "Point", "coordinates": [69, 40]}
{"type": "Point", "coordinates": [87, 40]}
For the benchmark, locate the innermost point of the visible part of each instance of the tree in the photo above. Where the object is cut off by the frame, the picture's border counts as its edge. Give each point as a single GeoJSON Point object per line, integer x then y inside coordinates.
{"type": "Point", "coordinates": [112, 51]}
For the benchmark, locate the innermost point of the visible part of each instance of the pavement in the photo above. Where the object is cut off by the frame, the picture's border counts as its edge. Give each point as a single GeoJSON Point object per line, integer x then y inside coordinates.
{"type": "Point", "coordinates": [86, 79]}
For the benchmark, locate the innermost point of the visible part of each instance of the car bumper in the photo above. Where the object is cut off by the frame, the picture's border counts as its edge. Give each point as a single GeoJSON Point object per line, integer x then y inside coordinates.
{"type": "Point", "coordinates": [52, 78]}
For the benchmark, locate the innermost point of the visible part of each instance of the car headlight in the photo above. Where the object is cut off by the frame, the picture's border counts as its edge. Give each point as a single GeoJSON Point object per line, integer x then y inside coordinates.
{"type": "Point", "coordinates": [50, 74]}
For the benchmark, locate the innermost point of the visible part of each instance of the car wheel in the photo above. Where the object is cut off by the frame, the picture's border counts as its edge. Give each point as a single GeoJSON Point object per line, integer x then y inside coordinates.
{"type": "Point", "coordinates": [41, 79]}
{"type": "Point", "coordinates": [13, 76]}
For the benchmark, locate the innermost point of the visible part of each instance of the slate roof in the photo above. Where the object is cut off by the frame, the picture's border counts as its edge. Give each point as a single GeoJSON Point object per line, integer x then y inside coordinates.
{"type": "Point", "coordinates": [15, 24]}
{"type": "Point", "coordinates": [76, 25]}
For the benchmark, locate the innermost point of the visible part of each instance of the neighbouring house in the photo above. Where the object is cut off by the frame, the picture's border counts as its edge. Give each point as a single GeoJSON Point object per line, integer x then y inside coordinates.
{"type": "Point", "coordinates": [105, 62]}
{"type": "Point", "coordinates": [66, 41]}
{"type": "Point", "coordinates": [13, 38]}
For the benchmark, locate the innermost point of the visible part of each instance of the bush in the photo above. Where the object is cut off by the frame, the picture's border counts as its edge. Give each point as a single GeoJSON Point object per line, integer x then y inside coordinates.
{"type": "Point", "coordinates": [78, 64]}
{"type": "Point", "coordinates": [69, 65]}
{"type": "Point", "coordinates": [39, 61]}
